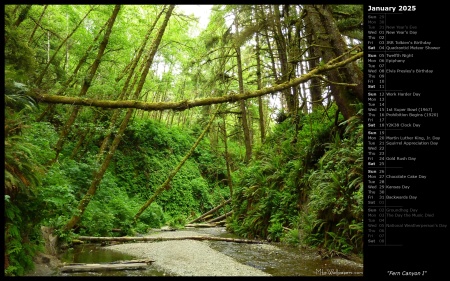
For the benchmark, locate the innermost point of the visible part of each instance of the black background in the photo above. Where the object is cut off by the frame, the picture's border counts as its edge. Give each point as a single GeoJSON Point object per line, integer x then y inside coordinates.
{"type": "Point", "coordinates": [416, 249]}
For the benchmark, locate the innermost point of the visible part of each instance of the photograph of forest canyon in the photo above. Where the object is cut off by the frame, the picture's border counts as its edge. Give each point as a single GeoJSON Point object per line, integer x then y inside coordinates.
{"type": "Point", "coordinates": [126, 120]}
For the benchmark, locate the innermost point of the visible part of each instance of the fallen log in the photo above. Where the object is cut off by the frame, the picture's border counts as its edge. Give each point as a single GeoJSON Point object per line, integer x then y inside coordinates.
{"type": "Point", "coordinates": [156, 239]}
{"type": "Point", "coordinates": [221, 223]}
{"type": "Point", "coordinates": [201, 225]}
{"type": "Point", "coordinates": [220, 217]}
{"type": "Point", "coordinates": [211, 211]}
{"type": "Point", "coordinates": [207, 217]}
{"type": "Point", "coordinates": [117, 265]}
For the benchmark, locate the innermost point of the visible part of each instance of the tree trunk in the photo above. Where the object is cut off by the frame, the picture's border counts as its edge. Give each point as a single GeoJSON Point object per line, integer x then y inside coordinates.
{"type": "Point", "coordinates": [86, 83]}
{"type": "Point", "coordinates": [327, 35]}
{"type": "Point", "coordinates": [244, 121]}
{"type": "Point", "coordinates": [271, 55]}
{"type": "Point", "coordinates": [201, 225]}
{"type": "Point", "coordinates": [211, 211]}
{"type": "Point", "coordinates": [126, 86]}
{"type": "Point", "coordinates": [219, 218]}
{"type": "Point", "coordinates": [262, 129]}
{"type": "Point", "coordinates": [99, 174]}
{"type": "Point", "coordinates": [117, 265]}
{"type": "Point", "coordinates": [293, 61]}
{"type": "Point", "coordinates": [227, 157]}
{"type": "Point", "coordinates": [23, 15]}
{"type": "Point", "coordinates": [280, 40]}
{"type": "Point", "coordinates": [313, 61]}
{"type": "Point", "coordinates": [172, 174]}
{"type": "Point", "coordinates": [37, 24]}
{"type": "Point", "coordinates": [183, 105]}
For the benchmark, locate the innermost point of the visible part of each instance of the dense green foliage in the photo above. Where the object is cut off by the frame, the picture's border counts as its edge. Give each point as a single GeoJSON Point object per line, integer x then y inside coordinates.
{"type": "Point", "coordinates": [147, 154]}
{"type": "Point", "coordinates": [313, 188]}
{"type": "Point", "coordinates": [23, 171]}
{"type": "Point", "coordinates": [334, 215]}
{"type": "Point", "coordinates": [150, 151]}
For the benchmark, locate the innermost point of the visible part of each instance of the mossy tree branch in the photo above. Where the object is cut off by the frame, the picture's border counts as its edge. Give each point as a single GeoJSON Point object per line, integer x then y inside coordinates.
{"type": "Point", "coordinates": [183, 105]}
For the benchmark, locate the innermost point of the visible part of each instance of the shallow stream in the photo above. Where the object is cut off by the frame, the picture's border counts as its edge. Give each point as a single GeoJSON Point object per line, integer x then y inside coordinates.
{"type": "Point", "coordinates": [280, 260]}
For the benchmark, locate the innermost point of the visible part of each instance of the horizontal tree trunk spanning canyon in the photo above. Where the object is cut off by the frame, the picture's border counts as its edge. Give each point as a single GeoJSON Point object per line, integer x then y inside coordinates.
{"type": "Point", "coordinates": [183, 105]}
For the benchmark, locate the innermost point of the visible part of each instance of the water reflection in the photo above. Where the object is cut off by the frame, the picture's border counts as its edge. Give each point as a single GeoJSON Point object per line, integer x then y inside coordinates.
{"type": "Point", "coordinates": [93, 253]}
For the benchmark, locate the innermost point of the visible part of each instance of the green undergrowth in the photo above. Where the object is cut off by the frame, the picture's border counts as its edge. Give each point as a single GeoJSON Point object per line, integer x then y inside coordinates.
{"type": "Point", "coordinates": [148, 152]}
{"type": "Point", "coordinates": [305, 191]}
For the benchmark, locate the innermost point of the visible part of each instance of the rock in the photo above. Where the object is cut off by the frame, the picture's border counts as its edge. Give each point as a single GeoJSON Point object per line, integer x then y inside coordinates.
{"type": "Point", "coordinates": [51, 240]}
{"type": "Point", "coordinates": [45, 265]}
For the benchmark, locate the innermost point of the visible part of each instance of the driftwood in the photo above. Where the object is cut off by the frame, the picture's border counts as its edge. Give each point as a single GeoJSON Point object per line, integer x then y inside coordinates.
{"type": "Point", "coordinates": [211, 211]}
{"type": "Point", "coordinates": [117, 265]}
{"type": "Point", "coordinates": [155, 239]}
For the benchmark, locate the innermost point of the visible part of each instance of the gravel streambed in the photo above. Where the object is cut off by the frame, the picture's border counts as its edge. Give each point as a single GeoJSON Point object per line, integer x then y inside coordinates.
{"type": "Point", "coordinates": [186, 257]}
